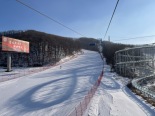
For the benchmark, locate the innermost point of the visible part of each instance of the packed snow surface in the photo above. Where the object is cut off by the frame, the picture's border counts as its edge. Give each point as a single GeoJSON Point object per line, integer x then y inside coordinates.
{"type": "Point", "coordinates": [113, 98]}
{"type": "Point", "coordinates": [53, 92]}
{"type": "Point", "coordinates": [56, 91]}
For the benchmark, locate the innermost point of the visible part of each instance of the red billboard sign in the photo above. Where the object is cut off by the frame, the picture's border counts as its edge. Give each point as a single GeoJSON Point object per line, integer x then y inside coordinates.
{"type": "Point", "coordinates": [14, 45]}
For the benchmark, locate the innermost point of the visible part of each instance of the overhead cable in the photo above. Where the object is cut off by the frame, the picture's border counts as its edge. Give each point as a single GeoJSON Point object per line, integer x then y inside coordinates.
{"type": "Point", "coordinates": [135, 38]}
{"type": "Point", "coordinates": [49, 18]}
{"type": "Point", "coordinates": [111, 19]}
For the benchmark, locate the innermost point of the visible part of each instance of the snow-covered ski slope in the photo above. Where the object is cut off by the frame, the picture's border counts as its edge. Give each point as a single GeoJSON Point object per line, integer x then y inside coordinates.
{"type": "Point", "coordinates": [54, 92]}
{"type": "Point", "coordinates": [113, 98]}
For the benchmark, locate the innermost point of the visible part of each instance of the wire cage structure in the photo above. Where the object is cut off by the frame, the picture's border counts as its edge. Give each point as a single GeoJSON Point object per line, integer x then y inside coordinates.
{"type": "Point", "coordinates": [135, 62]}
{"type": "Point", "coordinates": [138, 63]}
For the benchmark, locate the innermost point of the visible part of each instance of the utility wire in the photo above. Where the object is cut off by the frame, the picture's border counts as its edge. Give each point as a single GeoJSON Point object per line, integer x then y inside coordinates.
{"type": "Point", "coordinates": [111, 19]}
{"type": "Point", "coordinates": [49, 18]}
{"type": "Point", "coordinates": [135, 38]}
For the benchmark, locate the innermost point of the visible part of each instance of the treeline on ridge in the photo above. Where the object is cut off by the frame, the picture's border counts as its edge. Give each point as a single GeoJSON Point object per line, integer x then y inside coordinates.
{"type": "Point", "coordinates": [47, 48]}
{"type": "Point", "coordinates": [44, 48]}
{"type": "Point", "coordinates": [109, 50]}
{"type": "Point", "coordinates": [85, 43]}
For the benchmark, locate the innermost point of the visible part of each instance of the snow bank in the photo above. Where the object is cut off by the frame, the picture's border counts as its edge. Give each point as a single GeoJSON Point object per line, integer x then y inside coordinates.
{"type": "Point", "coordinates": [100, 104]}
{"type": "Point", "coordinates": [111, 99]}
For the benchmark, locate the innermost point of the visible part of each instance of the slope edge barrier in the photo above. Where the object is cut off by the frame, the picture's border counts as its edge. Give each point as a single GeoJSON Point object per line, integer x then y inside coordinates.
{"type": "Point", "coordinates": [146, 91]}
{"type": "Point", "coordinates": [26, 72]}
{"type": "Point", "coordinates": [80, 109]}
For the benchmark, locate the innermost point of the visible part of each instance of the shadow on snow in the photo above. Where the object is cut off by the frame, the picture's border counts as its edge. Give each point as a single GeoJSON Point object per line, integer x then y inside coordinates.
{"type": "Point", "coordinates": [28, 104]}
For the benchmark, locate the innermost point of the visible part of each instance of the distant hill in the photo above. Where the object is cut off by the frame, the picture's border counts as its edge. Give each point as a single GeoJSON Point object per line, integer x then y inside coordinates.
{"type": "Point", "coordinates": [44, 48]}
{"type": "Point", "coordinates": [86, 43]}
{"type": "Point", "coordinates": [47, 48]}
{"type": "Point", "coordinates": [109, 49]}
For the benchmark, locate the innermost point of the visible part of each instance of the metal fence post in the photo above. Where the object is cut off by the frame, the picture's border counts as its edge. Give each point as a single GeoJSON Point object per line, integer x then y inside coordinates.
{"type": "Point", "coordinates": [76, 111]}
{"type": "Point", "coordinates": [81, 109]}
{"type": "Point", "coordinates": [85, 102]}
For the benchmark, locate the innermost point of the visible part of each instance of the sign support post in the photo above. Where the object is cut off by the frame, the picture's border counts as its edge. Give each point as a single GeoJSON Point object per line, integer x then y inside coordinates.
{"type": "Point", "coordinates": [8, 62]}
{"type": "Point", "coordinates": [13, 45]}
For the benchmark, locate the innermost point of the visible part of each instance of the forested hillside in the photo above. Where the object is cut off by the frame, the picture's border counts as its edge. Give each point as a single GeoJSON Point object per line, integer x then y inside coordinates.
{"type": "Point", "coordinates": [109, 50]}
{"type": "Point", "coordinates": [44, 48]}
{"type": "Point", "coordinates": [47, 48]}
{"type": "Point", "coordinates": [85, 43]}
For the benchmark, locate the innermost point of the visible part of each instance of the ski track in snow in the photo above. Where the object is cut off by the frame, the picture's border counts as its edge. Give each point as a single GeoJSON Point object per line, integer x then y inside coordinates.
{"type": "Point", "coordinates": [56, 92]}
{"type": "Point", "coordinates": [113, 98]}
{"type": "Point", "coordinates": [53, 92]}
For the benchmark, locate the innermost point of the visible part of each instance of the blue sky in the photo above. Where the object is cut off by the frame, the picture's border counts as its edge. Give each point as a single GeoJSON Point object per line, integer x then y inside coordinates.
{"type": "Point", "coordinates": [133, 18]}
